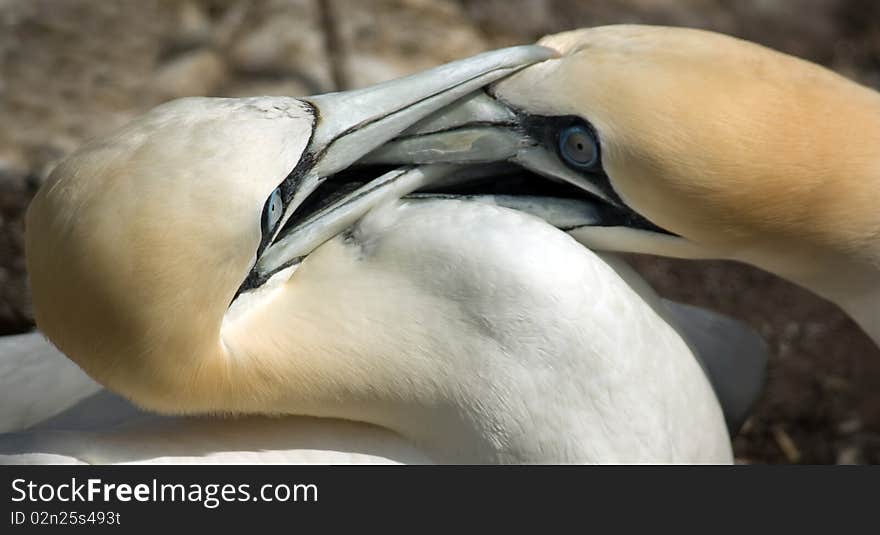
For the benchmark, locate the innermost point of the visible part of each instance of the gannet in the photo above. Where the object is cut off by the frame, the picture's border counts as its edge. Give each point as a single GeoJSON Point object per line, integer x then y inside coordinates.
{"type": "Point", "coordinates": [692, 144]}
{"type": "Point", "coordinates": [179, 262]}
{"type": "Point", "coordinates": [295, 127]}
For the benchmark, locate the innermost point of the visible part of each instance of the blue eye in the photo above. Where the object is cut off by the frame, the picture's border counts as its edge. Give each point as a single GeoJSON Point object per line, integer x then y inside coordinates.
{"type": "Point", "coordinates": [579, 147]}
{"type": "Point", "coordinates": [273, 211]}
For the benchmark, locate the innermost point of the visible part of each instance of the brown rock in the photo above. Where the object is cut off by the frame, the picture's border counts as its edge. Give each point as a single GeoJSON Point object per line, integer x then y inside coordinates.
{"type": "Point", "coordinates": [198, 72]}
{"type": "Point", "coordinates": [192, 28]}
{"type": "Point", "coordinates": [252, 87]}
{"type": "Point", "coordinates": [386, 39]}
{"type": "Point", "coordinates": [282, 39]}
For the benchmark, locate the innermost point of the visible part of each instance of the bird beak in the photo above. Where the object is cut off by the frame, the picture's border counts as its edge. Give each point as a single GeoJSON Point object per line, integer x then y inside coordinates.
{"type": "Point", "coordinates": [353, 123]}
{"type": "Point", "coordinates": [482, 130]}
{"type": "Point", "coordinates": [350, 124]}
{"type": "Point", "coordinates": [477, 130]}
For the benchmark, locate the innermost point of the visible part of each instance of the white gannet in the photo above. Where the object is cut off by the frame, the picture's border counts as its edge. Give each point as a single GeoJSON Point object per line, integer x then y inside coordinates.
{"type": "Point", "coordinates": [29, 363]}
{"type": "Point", "coordinates": [177, 263]}
{"type": "Point", "coordinates": [694, 145]}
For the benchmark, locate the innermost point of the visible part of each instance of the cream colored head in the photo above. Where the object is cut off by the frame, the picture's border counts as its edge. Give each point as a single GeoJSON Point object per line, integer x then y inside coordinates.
{"type": "Point", "coordinates": [724, 142]}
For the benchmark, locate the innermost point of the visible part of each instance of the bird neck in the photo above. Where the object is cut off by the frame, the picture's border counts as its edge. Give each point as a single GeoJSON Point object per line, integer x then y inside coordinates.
{"type": "Point", "coordinates": [395, 357]}
{"type": "Point", "coordinates": [851, 281]}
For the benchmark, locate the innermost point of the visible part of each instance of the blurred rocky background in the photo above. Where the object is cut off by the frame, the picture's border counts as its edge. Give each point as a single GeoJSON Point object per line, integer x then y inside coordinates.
{"type": "Point", "coordinates": [71, 69]}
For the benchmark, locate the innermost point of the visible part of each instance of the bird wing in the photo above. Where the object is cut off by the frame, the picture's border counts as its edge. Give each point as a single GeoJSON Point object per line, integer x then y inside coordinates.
{"type": "Point", "coordinates": [37, 381]}
{"type": "Point", "coordinates": [733, 355]}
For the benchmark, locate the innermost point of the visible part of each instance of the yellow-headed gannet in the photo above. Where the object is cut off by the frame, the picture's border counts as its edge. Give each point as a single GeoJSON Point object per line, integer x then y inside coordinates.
{"type": "Point", "coordinates": [691, 144]}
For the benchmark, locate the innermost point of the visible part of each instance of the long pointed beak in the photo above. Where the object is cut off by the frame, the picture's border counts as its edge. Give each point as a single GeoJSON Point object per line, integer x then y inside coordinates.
{"type": "Point", "coordinates": [480, 130]}
{"type": "Point", "coordinates": [350, 124]}
{"type": "Point", "coordinates": [353, 123]}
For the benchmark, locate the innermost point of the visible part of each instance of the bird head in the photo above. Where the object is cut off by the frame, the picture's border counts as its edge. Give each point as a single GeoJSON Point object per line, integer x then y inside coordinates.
{"type": "Point", "coordinates": [680, 142]}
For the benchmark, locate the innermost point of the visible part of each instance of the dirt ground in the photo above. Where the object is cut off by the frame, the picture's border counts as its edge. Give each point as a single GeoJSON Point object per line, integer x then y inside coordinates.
{"type": "Point", "coordinates": [75, 68]}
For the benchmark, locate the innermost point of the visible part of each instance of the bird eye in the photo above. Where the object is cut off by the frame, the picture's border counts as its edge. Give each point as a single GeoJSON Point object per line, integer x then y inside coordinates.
{"type": "Point", "coordinates": [579, 147]}
{"type": "Point", "coordinates": [272, 211]}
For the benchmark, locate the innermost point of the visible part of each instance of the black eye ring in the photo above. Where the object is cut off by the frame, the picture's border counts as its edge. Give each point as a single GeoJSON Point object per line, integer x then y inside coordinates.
{"type": "Point", "coordinates": [579, 147]}
{"type": "Point", "coordinates": [272, 212]}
